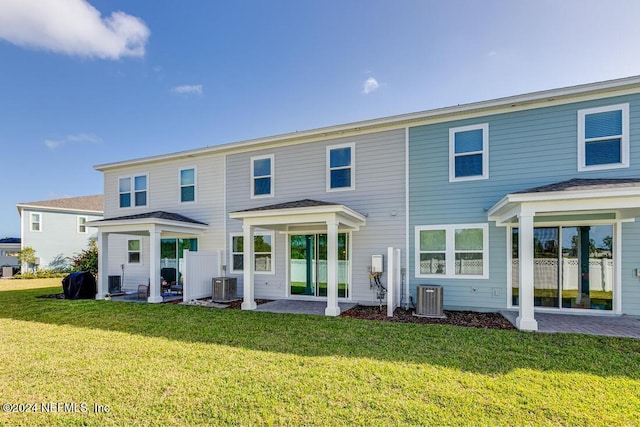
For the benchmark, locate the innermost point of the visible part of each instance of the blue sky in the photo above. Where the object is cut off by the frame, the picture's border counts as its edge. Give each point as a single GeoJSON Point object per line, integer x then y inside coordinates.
{"type": "Point", "coordinates": [86, 82]}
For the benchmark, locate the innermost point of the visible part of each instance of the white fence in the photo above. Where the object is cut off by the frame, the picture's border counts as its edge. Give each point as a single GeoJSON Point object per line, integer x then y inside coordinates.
{"type": "Point", "coordinates": [462, 266]}
{"type": "Point", "coordinates": [199, 269]}
{"type": "Point", "coordinates": [545, 273]}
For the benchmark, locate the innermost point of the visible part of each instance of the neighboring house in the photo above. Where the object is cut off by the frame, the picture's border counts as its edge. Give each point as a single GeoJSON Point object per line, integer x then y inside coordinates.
{"type": "Point", "coordinates": [9, 248]}
{"type": "Point", "coordinates": [57, 229]}
{"type": "Point", "coordinates": [527, 202]}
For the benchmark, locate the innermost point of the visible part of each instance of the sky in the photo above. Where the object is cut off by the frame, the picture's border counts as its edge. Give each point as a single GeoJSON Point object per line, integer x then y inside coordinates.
{"type": "Point", "coordinates": [87, 82]}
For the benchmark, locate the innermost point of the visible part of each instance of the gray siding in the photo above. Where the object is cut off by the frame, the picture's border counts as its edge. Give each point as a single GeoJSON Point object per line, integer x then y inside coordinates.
{"type": "Point", "coordinates": [300, 172]}
{"type": "Point", "coordinates": [526, 149]}
{"type": "Point", "coordinates": [630, 262]}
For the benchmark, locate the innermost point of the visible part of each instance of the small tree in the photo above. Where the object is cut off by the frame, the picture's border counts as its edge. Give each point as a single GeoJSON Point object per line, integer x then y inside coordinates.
{"type": "Point", "coordinates": [27, 255]}
{"type": "Point", "coordinates": [87, 260]}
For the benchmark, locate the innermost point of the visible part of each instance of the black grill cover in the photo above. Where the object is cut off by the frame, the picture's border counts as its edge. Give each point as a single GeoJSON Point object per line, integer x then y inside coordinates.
{"type": "Point", "coordinates": [79, 285]}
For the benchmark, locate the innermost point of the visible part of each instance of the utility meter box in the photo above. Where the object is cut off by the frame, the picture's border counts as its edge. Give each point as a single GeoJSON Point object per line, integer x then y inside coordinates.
{"type": "Point", "coordinates": [377, 262]}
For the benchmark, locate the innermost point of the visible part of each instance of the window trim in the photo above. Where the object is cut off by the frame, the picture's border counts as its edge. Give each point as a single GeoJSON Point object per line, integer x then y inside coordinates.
{"type": "Point", "coordinates": [485, 152]}
{"type": "Point", "coordinates": [31, 222]}
{"type": "Point", "coordinates": [132, 191]}
{"type": "Point", "coordinates": [180, 186]}
{"type": "Point", "coordinates": [624, 138]}
{"type": "Point", "coordinates": [272, 192]}
{"type": "Point", "coordinates": [79, 224]}
{"type": "Point", "coordinates": [255, 234]}
{"type": "Point", "coordinates": [139, 251]}
{"type": "Point", "coordinates": [450, 251]}
{"type": "Point", "coordinates": [352, 166]}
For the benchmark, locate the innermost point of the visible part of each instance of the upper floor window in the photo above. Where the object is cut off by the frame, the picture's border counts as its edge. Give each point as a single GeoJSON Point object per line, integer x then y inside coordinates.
{"type": "Point", "coordinates": [188, 185]}
{"type": "Point", "coordinates": [603, 137]}
{"type": "Point", "coordinates": [469, 153]}
{"type": "Point", "coordinates": [457, 251]}
{"type": "Point", "coordinates": [262, 176]}
{"type": "Point", "coordinates": [262, 252]}
{"type": "Point", "coordinates": [133, 251]}
{"type": "Point", "coordinates": [133, 191]}
{"type": "Point", "coordinates": [341, 167]}
{"type": "Point", "coordinates": [35, 221]}
{"type": "Point", "coordinates": [82, 224]}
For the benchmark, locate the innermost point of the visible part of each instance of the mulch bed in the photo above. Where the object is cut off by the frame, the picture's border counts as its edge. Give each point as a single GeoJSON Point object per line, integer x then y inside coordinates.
{"type": "Point", "coordinates": [456, 318]}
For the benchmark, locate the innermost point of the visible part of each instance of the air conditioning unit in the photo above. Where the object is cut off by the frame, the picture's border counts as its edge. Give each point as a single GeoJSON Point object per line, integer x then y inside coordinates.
{"type": "Point", "coordinates": [429, 301]}
{"type": "Point", "coordinates": [223, 288]}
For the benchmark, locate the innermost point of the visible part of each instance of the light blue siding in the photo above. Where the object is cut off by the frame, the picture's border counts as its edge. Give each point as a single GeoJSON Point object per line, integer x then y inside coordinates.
{"type": "Point", "coordinates": [526, 149]}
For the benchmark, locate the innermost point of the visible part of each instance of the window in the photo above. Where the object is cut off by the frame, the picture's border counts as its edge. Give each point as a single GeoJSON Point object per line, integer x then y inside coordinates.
{"type": "Point", "coordinates": [82, 224]}
{"type": "Point", "coordinates": [187, 185]}
{"type": "Point", "coordinates": [263, 253]}
{"type": "Point", "coordinates": [133, 249]}
{"type": "Point", "coordinates": [460, 251]}
{"type": "Point", "coordinates": [603, 137]}
{"type": "Point", "coordinates": [35, 222]}
{"type": "Point", "coordinates": [135, 194]}
{"type": "Point", "coordinates": [262, 176]}
{"type": "Point", "coordinates": [341, 167]}
{"type": "Point", "coordinates": [469, 153]}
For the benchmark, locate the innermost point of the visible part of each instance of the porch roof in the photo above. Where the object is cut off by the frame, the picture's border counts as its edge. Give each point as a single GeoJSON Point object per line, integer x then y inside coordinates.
{"type": "Point", "coordinates": [143, 222]}
{"type": "Point", "coordinates": [300, 214]}
{"type": "Point", "coordinates": [618, 196]}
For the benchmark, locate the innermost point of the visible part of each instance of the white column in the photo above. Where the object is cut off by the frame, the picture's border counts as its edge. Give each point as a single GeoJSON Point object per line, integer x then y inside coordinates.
{"type": "Point", "coordinates": [249, 302]}
{"type": "Point", "coordinates": [526, 320]}
{"type": "Point", "coordinates": [103, 263]}
{"type": "Point", "coordinates": [154, 266]}
{"type": "Point", "coordinates": [333, 309]}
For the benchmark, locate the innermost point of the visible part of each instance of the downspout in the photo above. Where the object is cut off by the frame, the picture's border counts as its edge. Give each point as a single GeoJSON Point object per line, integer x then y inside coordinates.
{"type": "Point", "coordinates": [406, 220]}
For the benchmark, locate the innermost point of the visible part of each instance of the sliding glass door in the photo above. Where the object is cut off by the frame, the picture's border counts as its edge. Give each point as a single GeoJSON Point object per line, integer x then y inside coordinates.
{"type": "Point", "coordinates": [572, 266]}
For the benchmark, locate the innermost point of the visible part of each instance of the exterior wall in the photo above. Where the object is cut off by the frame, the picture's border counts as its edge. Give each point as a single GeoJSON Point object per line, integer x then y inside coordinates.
{"type": "Point", "coordinates": [526, 149]}
{"type": "Point", "coordinates": [300, 173]}
{"type": "Point", "coordinates": [630, 262]}
{"type": "Point", "coordinates": [163, 194]}
{"type": "Point", "coordinates": [59, 237]}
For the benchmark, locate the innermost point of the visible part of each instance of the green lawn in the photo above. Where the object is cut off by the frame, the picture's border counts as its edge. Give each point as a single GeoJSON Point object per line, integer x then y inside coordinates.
{"type": "Point", "coordinates": [162, 364]}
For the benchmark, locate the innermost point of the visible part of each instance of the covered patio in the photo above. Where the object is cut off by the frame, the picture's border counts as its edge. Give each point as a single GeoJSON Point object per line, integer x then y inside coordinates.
{"type": "Point", "coordinates": [303, 216]}
{"type": "Point", "coordinates": [581, 201]}
{"type": "Point", "coordinates": [154, 225]}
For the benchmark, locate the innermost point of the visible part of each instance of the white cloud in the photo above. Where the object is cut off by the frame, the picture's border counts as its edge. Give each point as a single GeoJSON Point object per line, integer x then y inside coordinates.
{"type": "Point", "coordinates": [83, 138]}
{"type": "Point", "coordinates": [370, 85]}
{"type": "Point", "coordinates": [72, 27]}
{"type": "Point", "coordinates": [188, 89]}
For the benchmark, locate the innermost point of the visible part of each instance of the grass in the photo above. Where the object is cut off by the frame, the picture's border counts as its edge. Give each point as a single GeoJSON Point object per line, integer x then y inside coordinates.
{"type": "Point", "coordinates": [162, 364]}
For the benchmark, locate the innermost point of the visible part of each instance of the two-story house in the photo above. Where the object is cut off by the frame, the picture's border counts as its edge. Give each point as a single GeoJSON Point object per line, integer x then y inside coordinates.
{"type": "Point", "coordinates": [57, 229]}
{"type": "Point", "coordinates": [526, 203]}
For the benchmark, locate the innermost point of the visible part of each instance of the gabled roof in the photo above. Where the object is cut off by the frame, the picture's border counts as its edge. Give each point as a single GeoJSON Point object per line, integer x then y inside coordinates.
{"type": "Point", "coordinates": [578, 184]}
{"type": "Point", "coordinates": [306, 203]}
{"type": "Point", "coordinates": [168, 216]}
{"type": "Point", "coordinates": [94, 204]}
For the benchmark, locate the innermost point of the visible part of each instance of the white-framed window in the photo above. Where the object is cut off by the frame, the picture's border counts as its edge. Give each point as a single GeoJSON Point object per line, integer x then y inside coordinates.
{"type": "Point", "coordinates": [469, 153]}
{"type": "Point", "coordinates": [341, 167]}
{"type": "Point", "coordinates": [262, 176]}
{"type": "Point", "coordinates": [133, 191]}
{"type": "Point", "coordinates": [603, 137]}
{"type": "Point", "coordinates": [187, 179]}
{"type": "Point", "coordinates": [456, 251]}
{"type": "Point", "coordinates": [133, 251]}
{"type": "Point", "coordinates": [82, 224]}
{"type": "Point", "coordinates": [262, 256]}
{"type": "Point", "coordinates": [35, 222]}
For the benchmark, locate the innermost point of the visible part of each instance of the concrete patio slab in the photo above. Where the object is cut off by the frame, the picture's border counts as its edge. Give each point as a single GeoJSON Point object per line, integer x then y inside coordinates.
{"type": "Point", "coordinates": [300, 307]}
{"type": "Point", "coordinates": [612, 326]}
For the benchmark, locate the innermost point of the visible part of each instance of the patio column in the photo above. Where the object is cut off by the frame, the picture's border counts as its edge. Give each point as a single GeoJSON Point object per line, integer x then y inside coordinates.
{"type": "Point", "coordinates": [154, 266]}
{"type": "Point", "coordinates": [526, 320]}
{"type": "Point", "coordinates": [103, 263]}
{"type": "Point", "coordinates": [248, 302]}
{"type": "Point", "coordinates": [333, 309]}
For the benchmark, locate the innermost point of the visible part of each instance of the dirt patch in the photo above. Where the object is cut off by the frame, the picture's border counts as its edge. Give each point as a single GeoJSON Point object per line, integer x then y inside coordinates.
{"type": "Point", "coordinates": [457, 318]}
